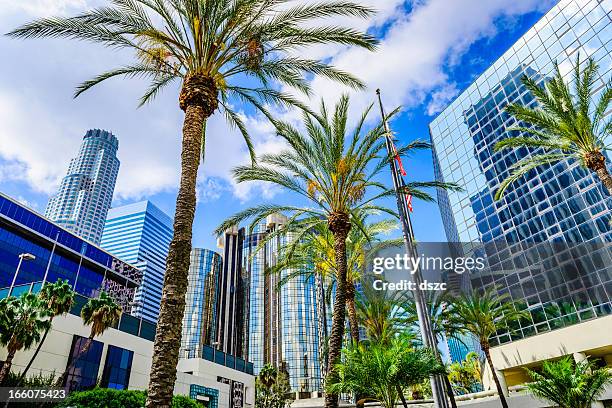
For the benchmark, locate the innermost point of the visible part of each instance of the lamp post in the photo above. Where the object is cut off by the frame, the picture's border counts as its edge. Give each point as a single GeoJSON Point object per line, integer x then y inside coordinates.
{"type": "Point", "coordinates": [437, 384]}
{"type": "Point", "coordinates": [28, 257]}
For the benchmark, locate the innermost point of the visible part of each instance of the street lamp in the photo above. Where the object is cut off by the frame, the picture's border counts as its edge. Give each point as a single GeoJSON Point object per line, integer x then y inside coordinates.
{"type": "Point", "coordinates": [28, 257]}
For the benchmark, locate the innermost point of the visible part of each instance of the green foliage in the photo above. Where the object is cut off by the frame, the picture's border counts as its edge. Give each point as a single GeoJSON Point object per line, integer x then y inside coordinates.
{"type": "Point", "coordinates": [57, 297]}
{"type": "Point", "coordinates": [439, 304]}
{"type": "Point", "coordinates": [569, 384]}
{"type": "Point", "coordinates": [466, 375]}
{"type": "Point", "coordinates": [272, 388]}
{"type": "Point", "coordinates": [226, 41]}
{"type": "Point", "coordinates": [22, 321]}
{"type": "Point", "coordinates": [484, 313]}
{"type": "Point", "coordinates": [377, 371]}
{"type": "Point", "coordinates": [566, 124]}
{"type": "Point", "coordinates": [111, 398]}
{"type": "Point", "coordinates": [101, 313]}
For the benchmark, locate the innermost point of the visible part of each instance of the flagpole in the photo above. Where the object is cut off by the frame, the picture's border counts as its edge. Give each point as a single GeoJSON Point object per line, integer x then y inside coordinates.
{"type": "Point", "coordinates": [429, 340]}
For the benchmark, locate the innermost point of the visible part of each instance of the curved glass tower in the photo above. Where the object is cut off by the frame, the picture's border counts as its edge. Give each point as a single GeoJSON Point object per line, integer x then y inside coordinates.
{"type": "Point", "coordinates": [86, 192]}
{"type": "Point", "coordinates": [200, 320]}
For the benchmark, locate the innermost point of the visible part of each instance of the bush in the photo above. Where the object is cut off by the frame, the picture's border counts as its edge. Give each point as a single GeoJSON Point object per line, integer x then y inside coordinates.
{"type": "Point", "coordinates": [110, 398]}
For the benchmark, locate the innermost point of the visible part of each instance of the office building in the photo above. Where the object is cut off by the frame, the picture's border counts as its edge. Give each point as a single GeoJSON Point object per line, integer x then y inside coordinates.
{"type": "Point", "coordinates": [232, 307]}
{"type": "Point", "coordinates": [200, 320]}
{"type": "Point", "coordinates": [282, 320]}
{"type": "Point", "coordinates": [547, 241]}
{"type": "Point", "coordinates": [140, 233]}
{"type": "Point", "coordinates": [57, 254]}
{"type": "Point", "coordinates": [85, 193]}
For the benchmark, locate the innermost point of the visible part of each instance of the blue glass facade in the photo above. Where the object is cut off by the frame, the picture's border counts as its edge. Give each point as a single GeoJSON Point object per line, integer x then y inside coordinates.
{"type": "Point", "coordinates": [117, 368]}
{"type": "Point", "coordinates": [283, 321]}
{"type": "Point", "coordinates": [59, 255]}
{"type": "Point", "coordinates": [556, 203]}
{"type": "Point", "coordinates": [140, 233]}
{"type": "Point", "coordinates": [83, 364]}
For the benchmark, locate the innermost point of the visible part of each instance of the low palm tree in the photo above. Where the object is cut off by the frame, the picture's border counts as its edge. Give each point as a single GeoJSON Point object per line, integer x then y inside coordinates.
{"type": "Point", "coordinates": [57, 300]}
{"type": "Point", "coordinates": [22, 322]}
{"type": "Point", "coordinates": [101, 314]}
{"type": "Point", "coordinates": [483, 314]}
{"type": "Point", "coordinates": [334, 170]}
{"type": "Point", "coordinates": [566, 125]}
{"type": "Point", "coordinates": [466, 375]}
{"type": "Point", "coordinates": [222, 52]}
{"type": "Point", "coordinates": [381, 372]}
{"type": "Point", "coordinates": [568, 384]}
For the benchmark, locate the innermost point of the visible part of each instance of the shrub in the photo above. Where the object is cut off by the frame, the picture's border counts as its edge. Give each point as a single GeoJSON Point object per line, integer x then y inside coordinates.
{"type": "Point", "coordinates": [110, 398]}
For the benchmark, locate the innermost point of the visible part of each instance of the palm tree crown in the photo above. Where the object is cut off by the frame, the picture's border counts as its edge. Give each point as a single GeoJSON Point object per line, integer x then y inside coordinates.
{"type": "Point", "coordinates": [101, 313]}
{"type": "Point", "coordinates": [569, 384]}
{"type": "Point", "coordinates": [565, 125]}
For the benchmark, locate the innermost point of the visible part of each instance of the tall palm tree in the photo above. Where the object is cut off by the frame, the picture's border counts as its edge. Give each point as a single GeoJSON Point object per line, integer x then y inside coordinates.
{"type": "Point", "coordinates": [565, 125]}
{"type": "Point", "coordinates": [569, 384]}
{"type": "Point", "coordinates": [22, 321]}
{"type": "Point", "coordinates": [483, 314]}
{"type": "Point", "coordinates": [334, 170]}
{"type": "Point", "coordinates": [101, 314]}
{"type": "Point", "coordinates": [222, 52]}
{"type": "Point", "coordinates": [57, 300]}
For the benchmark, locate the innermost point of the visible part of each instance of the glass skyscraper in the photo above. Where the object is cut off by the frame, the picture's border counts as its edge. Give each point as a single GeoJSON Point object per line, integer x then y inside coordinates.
{"type": "Point", "coordinates": [282, 320]}
{"type": "Point", "coordinates": [562, 203]}
{"type": "Point", "coordinates": [200, 321]}
{"type": "Point", "coordinates": [140, 233]}
{"type": "Point", "coordinates": [86, 192]}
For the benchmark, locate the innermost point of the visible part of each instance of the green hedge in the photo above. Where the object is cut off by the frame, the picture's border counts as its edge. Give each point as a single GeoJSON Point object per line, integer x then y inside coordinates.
{"type": "Point", "coordinates": [110, 398]}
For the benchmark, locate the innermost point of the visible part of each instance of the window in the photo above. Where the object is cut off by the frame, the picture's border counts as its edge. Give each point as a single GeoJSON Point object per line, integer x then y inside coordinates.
{"type": "Point", "coordinates": [117, 368]}
{"type": "Point", "coordinates": [83, 373]}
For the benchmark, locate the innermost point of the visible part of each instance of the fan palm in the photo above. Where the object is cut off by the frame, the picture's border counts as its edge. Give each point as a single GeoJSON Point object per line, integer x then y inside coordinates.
{"type": "Point", "coordinates": [221, 51]}
{"type": "Point", "coordinates": [564, 126]}
{"type": "Point", "coordinates": [569, 384]}
{"type": "Point", "coordinates": [380, 372]}
{"type": "Point", "coordinates": [57, 299]}
{"type": "Point", "coordinates": [334, 169]}
{"type": "Point", "coordinates": [22, 321]}
{"type": "Point", "coordinates": [483, 314]}
{"type": "Point", "coordinates": [101, 314]}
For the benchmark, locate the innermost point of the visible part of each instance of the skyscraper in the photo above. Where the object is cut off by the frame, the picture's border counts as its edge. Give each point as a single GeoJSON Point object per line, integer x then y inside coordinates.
{"type": "Point", "coordinates": [232, 306]}
{"type": "Point", "coordinates": [282, 320]}
{"type": "Point", "coordinates": [562, 203]}
{"type": "Point", "coordinates": [200, 321]}
{"type": "Point", "coordinates": [140, 233]}
{"type": "Point", "coordinates": [86, 192]}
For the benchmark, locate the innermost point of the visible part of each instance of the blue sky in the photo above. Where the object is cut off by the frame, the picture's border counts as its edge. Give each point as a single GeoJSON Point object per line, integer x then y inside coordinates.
{"type": "Point", "coordinates": [430, 50]}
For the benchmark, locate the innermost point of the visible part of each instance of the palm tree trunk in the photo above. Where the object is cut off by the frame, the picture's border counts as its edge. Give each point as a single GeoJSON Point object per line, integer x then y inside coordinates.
{"type": "Point", "coordinates": [340, 226]}
{"type": "Point", "coordinates": [502, 397]}
{"type": "Point", "coordinates": [596, 162]}
{"type": "Point", "coordinates": [199, 100]}
{"type": "Point", "coordinates": [401, 395]}
{"type": "Point", "coordinates": [449, 391]}
{"type": "Point", "coordinates": [40, 343]}
{"type": "Point", "coordinates": [6, 367]}
{"type": "Point", "coordinates": [352, 312]}
{"type": "Point", "coordinates": [321, 321]}
{"type": "Point", "coordinates": [605, 178]}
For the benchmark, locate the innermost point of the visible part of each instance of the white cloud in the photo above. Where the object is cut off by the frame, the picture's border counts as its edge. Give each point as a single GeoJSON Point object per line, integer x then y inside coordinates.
{"type": "Point", "coordinates": [41, 126]}
{"type": "Point", "coordinates": [441, 97]}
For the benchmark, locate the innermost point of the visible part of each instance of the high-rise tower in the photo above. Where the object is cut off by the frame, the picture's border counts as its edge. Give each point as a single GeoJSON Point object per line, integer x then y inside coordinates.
{"type": "Point", "coordinates": [282, 320]}
{"type": "Point", "coordinates": [140, 233]}
{"type": "Point", "coordinates": [86, 192]}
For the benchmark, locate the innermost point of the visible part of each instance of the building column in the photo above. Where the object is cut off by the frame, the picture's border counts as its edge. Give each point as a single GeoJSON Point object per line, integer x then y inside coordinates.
{"type": "Point", "coordinates": [502, 382]}
{"type": "Point", "coordinates": [578, 357]}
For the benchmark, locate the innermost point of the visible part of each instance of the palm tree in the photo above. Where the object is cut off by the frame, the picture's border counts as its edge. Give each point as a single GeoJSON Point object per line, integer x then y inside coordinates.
{"type": "Point", "coordinates": [380, 372]}
{"type": "Point", "coordinates": [483, 314]}
{"type": "Point", "coordinates": [568, 384]}
{"type": "Point", "coordinates": [101, 314]}
{"type": "Point", "coordinates": [217, 49]}
{"type": "Point", "coordinates": [465, 375]}
{"type": "Point", "coordinates": [57, 299]}
{"type": "Point", "coordinates": [334, 170]}
{"type": "Point", "coordinates": [564, 126]}
{"type": "Point", "coordinates": [22, 321]}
